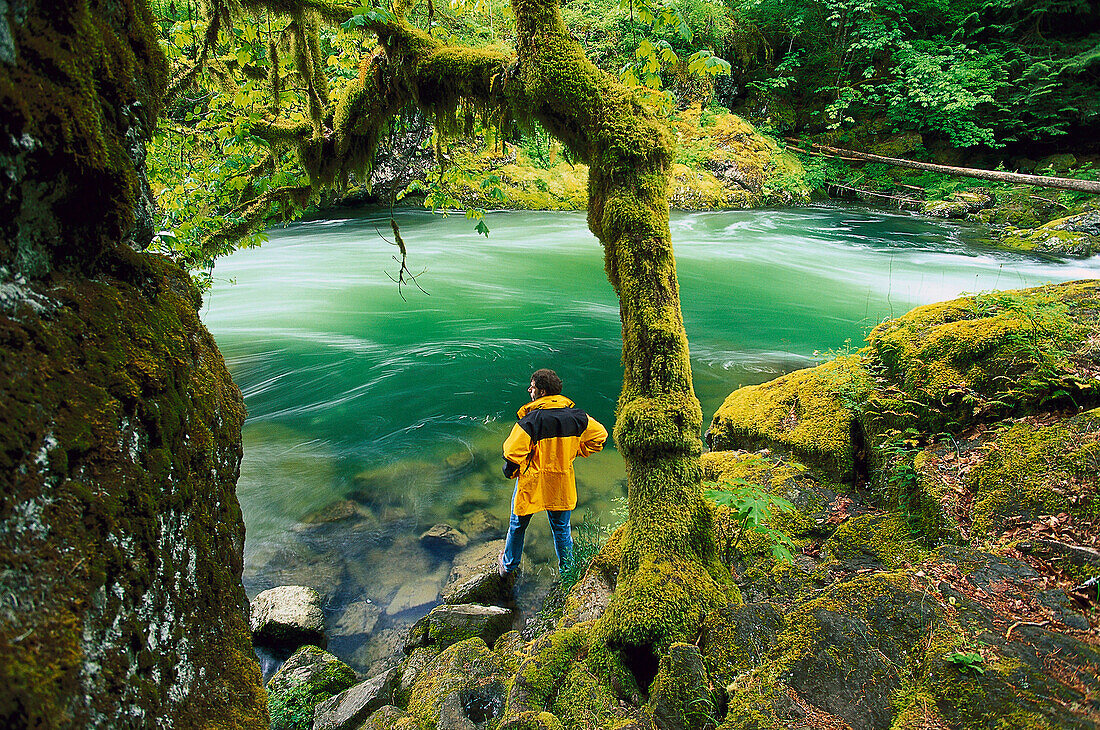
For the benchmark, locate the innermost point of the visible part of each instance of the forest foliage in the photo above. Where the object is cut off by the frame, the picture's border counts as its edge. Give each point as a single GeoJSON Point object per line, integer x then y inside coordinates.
{"type": "Point", "coordinates": [1012, 75]}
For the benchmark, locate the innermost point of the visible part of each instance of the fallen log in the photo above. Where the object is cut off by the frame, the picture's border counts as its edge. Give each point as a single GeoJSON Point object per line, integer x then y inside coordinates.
{"type": "Point", "coordinates": [1017, 178]}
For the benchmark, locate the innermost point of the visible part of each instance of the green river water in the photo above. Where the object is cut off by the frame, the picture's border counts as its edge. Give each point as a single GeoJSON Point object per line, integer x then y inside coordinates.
{"type": "Point", "coordinates": [371, 418]}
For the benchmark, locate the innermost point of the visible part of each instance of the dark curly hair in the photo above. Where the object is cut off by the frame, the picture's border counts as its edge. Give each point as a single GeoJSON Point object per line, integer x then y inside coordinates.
{"type": "Point", "coordinates": [547, 381]}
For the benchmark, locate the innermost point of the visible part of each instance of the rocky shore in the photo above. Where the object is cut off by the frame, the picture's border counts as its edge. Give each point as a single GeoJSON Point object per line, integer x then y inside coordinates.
{"type": "Point", "coordinates": [943, 485]}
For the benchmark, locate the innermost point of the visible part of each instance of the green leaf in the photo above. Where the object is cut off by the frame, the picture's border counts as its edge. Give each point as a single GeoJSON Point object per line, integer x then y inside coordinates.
{"type": "Point", "coordinates": [482, 228]}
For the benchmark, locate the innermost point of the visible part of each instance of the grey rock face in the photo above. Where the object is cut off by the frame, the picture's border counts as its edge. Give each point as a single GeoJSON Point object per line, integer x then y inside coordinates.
{"type": "Point", "coordinates": [474, 577]}
{"type": "Point", "coordinates": [347, 710]}
{"type": "Point", "coordinates": [448, 624]}
{"type": "Point", "coordinates": [287, 617]}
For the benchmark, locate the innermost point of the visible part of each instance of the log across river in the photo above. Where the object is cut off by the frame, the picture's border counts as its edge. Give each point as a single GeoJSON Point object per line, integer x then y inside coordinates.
{"type": "Point", "coordinates": [372, 418]}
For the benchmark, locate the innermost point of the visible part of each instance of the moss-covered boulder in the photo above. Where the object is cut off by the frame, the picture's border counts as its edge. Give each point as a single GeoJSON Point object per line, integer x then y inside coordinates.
{"type": "Point", "coordinates": [980, 358]}
{"type": "Point", "coordinates": [119, 523]}
{"type": "Point", "coordinates": [467, 679]}
{"type": "Point", "coordinates": [810, 414]}
{"type": "Point", "coordinates": [310, 676]}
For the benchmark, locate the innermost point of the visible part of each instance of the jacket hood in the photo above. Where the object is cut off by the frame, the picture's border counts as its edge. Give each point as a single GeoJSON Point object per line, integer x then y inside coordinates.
{"type": "Point", "coordinates": [547, 401]}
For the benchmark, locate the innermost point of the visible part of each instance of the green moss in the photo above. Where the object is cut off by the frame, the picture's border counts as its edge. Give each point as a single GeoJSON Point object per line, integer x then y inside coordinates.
{"type": "Point", "coordinates": [886, 539]}
{"type": "Point", "coordinates": [85, 87]}
{"type": "Point", "coordinates": [878, 600]}
{"type": "Point", "coordinates": [984, 357]}
{"type": "Point", "coordinates": [1032, 469]}
{"type": "Point", "coordinates": [809, 413]}
{"type": "Point", "coordinates": [467, 665]}
{"type": "Point", "coordinates": [291, 706]}
{"type": "Point", "coordinates": [121, 415]}
{"type": "Point", "coordinates": [751, 705]}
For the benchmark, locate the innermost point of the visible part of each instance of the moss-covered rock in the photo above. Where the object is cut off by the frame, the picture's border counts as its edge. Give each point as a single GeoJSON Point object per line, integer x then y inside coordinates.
{"type": "Point", "coordinates": [871, 540]}
{"type": "Point", "coordinates": [736, 639]}
{"type": "Point", "coordinates": [810, 414]}
{"type": "Point", "coordinates": [310, 676]}
{"type": "Point", "coordinates": [980, 358]}
{"type": "Point", "coordinates": [467, 670]}
{"type": "Point", "coordinates": [119, 523]}
{"type": "Point", "coordinates": [846, 651]}
{"type": "Point", "coordinates": [1032, 469]}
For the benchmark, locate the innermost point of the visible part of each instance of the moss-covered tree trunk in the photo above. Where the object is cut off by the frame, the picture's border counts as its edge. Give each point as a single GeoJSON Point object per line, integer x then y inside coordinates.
{"type": "Point", "coordinates": [669, 574]}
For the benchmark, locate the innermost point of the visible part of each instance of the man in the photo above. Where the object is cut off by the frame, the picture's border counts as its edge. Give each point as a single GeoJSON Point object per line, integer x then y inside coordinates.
{"type": "Point", "coordinates": [539, 454]}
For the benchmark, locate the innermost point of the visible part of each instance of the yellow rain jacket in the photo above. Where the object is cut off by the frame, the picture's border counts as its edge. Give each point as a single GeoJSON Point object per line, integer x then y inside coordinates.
{"type": "Point", "coordinates": [540, 450]}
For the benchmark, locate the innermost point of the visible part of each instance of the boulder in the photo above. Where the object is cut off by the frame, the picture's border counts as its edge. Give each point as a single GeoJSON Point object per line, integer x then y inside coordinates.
{"type": "Point", "coordinates": [309, 677]}
{"type": "Point", "coordinates": [474, 577]}
{"type": "Point", "coordinates": [360, 617]}
{"type": "Point", "coordinates": [950, 209]}
{"type": "Point", "coordinates": [481, 525]}
{"type": "Point", "coordinates": [737, 639]}
{"type": "Point", "coordinates": [315, 668]}
{"type": "Point", "coordinates": [388, 717]}
{"type": "Point", "coordinates": [462, 688]}
{"type": "Point", "coordinates": [413, 666]}
{"type": "Point", "coordinates": [287, 617]}
{"type": "Point", "coordinates": [976, 359]}
{"type": "Point", "coordinates": [349, 709]}
{"type": "Point", "coordinates": [810, 414]}
{"type": "Point", "coordinates": [444, 537]}
{"type": "Point", "coordinates": [449, 624]}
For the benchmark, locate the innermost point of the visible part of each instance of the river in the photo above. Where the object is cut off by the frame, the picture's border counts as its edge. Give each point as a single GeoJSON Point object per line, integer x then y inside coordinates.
{"type": "Point", "coordinates": [376, 412]}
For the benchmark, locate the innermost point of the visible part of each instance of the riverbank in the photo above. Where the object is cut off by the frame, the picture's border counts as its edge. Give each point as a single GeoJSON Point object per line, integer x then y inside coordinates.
{"type": "Point", "coordinates": [936, 491]}
{"type": "Point", "coordinates": [723, 162]}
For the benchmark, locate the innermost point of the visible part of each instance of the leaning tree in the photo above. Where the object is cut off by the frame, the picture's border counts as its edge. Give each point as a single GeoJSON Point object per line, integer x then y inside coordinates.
{"type": "Point", "coordinates": [670, 575]}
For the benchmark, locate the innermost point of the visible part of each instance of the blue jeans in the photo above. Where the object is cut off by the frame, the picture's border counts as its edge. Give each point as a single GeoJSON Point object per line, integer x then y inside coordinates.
{"type": "Point", "coordinates": [517, 527]}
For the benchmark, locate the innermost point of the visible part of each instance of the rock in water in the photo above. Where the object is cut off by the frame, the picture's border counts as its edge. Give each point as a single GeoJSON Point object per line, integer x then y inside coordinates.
{"type": "Point", "coordinates": [474, 577]}
{"type": "Point", "coordinates": [307, 678]}
{"type": "Point", "coordinates": [359, 617]}
{"type": "Point", "coordinates": [447, 625]}
{"type": "Point", "coordinates": [481, 525]}
{"type": "Point", "coordinates": [314, 667]}
{"type": "Point", "coordinates": [445, 537]}
{"type": "Point", "coordinates": [287, 617]}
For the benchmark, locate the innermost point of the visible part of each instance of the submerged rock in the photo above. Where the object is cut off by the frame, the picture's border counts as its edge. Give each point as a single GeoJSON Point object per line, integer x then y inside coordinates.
{"type": "Point", "coordinates": [359, 617]}
{"type": "Point", "coordinates": [287, 617]}
{"type": "Point", "coordinates": [444, 537]}
{"type": "Point", "coordinates": [481, 525]}
{"type": "Point", "coordinates": [417, 593]}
